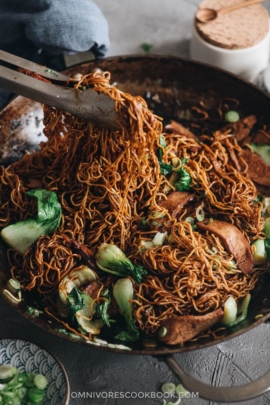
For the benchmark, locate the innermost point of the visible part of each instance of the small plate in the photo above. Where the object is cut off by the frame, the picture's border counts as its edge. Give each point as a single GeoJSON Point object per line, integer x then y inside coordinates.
{"type": "Point", "coordinates": [28, 357]}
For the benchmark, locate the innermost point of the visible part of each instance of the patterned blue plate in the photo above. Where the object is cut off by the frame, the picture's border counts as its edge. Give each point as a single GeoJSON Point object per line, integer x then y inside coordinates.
{"type": "Point", "coordinates": [28, 357]}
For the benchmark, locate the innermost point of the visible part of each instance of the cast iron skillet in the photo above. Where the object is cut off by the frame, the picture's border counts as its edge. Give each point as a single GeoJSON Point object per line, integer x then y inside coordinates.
{"type": "Point", "coordinates": [171, 86]}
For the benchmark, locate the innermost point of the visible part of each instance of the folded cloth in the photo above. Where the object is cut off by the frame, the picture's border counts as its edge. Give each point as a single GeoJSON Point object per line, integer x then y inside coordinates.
{"type": "Point", "coordinates": [43, 30]}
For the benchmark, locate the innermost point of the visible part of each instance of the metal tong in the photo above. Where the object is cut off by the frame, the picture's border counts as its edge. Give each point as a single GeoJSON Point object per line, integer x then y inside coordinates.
{"type": "Point", "coordinates": [87, 105]}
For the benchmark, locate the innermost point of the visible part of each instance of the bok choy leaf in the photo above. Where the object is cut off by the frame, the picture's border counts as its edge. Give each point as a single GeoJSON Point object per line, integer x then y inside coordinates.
{"type": "Point", "coordinates": [21, 235]}
{"type": "Point", "coordinates": [123, 294]}
{"type": "Point", "coordinates": [111, 259]}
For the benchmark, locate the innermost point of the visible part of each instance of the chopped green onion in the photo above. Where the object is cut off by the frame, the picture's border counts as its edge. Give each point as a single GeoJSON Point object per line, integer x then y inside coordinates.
{"type": "Point", "coordinates": [180, 389]}
{"type": "Point", "coordinates": [171, 403]}
{"type": "Point", "coordinates": [190, 220]}
{"type": "Point", "coordinates": [232, 116]}
{"type": "Point", "coordinates": [232, 264]}
{"type": "Point", "coordinates": [146, 47]}
{"type": "Point", "coordinates": [200, 215]}
{"type": "Point", "coordinates": [21, 392]}
{"type": "Point", "coordinates": [155, 223]}
{"type": "Point", "coordinates": [40, 381]}
{"type": "Point", "coordinates": [51, 71]}
{"type": "Point", "coordinates": [213, 251]}
{"type": "Point", "coordinates": [158, 214]}
{"type": "Point", "coordinates": [9, 394]}
{"type": "Point", "coordinates": [12, 381]}
{"type": "Point", "coordinates": [30, 380]}
{"type": "Point", "coordinates": [33, 311]}
{"type": "Point", "coordinates": [6, 371]}
{"type": "Point", "coordinates": [21, 388]}
{"type": "Point", "coordinates": [35, 394]}
{"type": "Point", "coordinates": [14, 386]}
{"type": "Point", "coordinates": [22, 378]}
{"type": "Point", "coordinates": [215, 266]}
{"type": "Point", "coordinates": [162, 331]}
{"type": "Point", "coordinates": [7, 400]}
{"type": "Point", "coordinates": [168, 388]}
{"type": "Point", "coordinates": [143, 222]}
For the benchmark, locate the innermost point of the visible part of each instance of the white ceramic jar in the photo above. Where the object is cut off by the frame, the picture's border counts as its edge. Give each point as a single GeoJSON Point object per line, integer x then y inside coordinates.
{"type": "Point", "coordinates": [247, 62]}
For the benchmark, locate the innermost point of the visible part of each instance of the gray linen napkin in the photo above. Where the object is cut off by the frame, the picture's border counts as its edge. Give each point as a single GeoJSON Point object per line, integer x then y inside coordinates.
{"type": "Point", "coordinates": [44, 30]}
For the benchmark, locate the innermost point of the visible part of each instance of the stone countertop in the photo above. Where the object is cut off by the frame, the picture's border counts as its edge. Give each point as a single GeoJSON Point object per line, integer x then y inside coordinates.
{"type": "Point", "coordinates": [166, 25]}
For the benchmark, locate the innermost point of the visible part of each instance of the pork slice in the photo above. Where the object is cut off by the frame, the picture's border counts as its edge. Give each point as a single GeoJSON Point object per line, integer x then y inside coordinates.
{"type": "Point", "coordinates": [34, 183]}
{"type": "Point", "coordinates": [86, 253]}
{"type": "Point", "coordinates": [176, 128]}
{"type": "Point", "coordinates": [92, 288]}
{"type": "Point", "coordinates": [234, 158]}
{"type": "Point", "coordinates": [176, 201]}
{"type": "Point", "coordinates": [258, 170]}
{"type": "Point", "coordinates": [261, 137]}
{"type": "Point", "coordinates": [233, 240]}
{"type": "Point", "coordinates": [241, 128]}
{"type": "Point", "coordinates": [183, 328]}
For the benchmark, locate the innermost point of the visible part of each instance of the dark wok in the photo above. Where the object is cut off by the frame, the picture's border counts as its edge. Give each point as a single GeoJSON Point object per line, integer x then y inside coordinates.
{"type": "Point", "coordinates": [180, 85]}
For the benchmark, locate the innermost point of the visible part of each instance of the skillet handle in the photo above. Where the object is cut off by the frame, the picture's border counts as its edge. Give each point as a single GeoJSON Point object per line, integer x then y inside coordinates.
{"type": "Point", "coordinates": [219, 394]}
